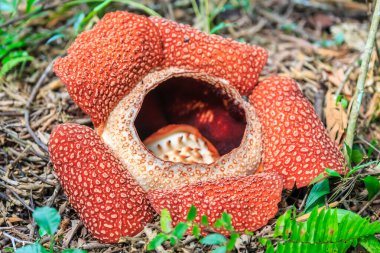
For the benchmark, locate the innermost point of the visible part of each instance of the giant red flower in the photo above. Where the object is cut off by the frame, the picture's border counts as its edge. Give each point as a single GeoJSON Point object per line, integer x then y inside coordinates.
{"type": "Point", "coordinates": [174, 128]}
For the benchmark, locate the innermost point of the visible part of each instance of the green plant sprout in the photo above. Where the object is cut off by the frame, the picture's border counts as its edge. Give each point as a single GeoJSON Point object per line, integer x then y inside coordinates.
{"type": "Point", "coordinates": [174, 235]}
{"type": "Point", "coordinates": [321, 184]}
{"type": "Point", "coordinates": [330, 230]}
{"type": "Point", "coordinates": [48, 220]}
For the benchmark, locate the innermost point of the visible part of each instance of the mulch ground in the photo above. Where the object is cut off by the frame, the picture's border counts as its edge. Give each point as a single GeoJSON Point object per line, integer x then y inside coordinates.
{"type": "Point", "coordinates": [303, 41]}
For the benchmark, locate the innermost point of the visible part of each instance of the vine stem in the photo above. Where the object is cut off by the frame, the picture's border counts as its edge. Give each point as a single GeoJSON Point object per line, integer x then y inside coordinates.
{"type": "Point", "coordinates": [359, 93]}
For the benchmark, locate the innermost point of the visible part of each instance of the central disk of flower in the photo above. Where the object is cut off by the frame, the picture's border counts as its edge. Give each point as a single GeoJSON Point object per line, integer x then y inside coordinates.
{"type": "Point", "coordinates": [190, 121]}
{"type": "Point", "coordinates": [177, 127]}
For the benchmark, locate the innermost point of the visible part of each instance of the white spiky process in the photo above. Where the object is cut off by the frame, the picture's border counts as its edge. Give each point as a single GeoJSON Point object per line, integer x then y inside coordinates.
{"type": "Point", "coordinates": [181, 143]}
{"type": "Point", "coordinates": [150, 171]}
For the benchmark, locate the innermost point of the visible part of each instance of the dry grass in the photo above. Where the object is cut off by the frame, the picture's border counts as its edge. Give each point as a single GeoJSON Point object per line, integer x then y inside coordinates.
{"type": "Point", "coordinates": [27, 179]}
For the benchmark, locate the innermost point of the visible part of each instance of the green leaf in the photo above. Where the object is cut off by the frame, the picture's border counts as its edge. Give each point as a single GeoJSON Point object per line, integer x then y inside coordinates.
{"type": "Point", "coordinates": [34, 248]}
{"type": "Point", "coordinates": [218, 223]}
{"type": "Point", "coordinates": [289, 27]}
{"type": "Point", "coordinates": [220, 26]}
{"type": "Point", "coordinates": [332, 173]}
{"type": "Point", "coordinates": [74, 251]}
{"type": "Point", "coordinates": [42, 232]}
{"type": "Point", "coordinates": [227, 221]}
{"type": "Point", "coordinates": [247, 232]}
{"type": "Point", "coordinates": [349, 153]}
{"type": "Point", "coordinates": [157, 241]}
{"type": "Point", "coordinates": [94, 12]}
{"type": "Point", "coordinates": [371, 244]}
{"type": "Point", "coordinates": [268, 244]}
{"type": "Point", "coordinates": [318, 178]}
{"type": "Point", "coordinates": [280, 224]}
{"type": "Point", "coordinates": [232, 241]}
{"type": "Point", "coordinates": [180, 230]}
{"type": "Point", "coordinates": [196, 230]}
{"type": "Point", "coordinates": [172, 240]}
{"type": "Point", "coordinates": [78, 20]}
{"type": "Point", "coordinates": [372, 185]}
{"type": "Point", "coordinates": [29, 5]}
{"type": "Point", "coordinates": [47, 218]}
{"type": "Point", "coordinates": [7, 7]}
{"type": "Point", "coordinates": [357, 156]}
{"type": "Point", "coordinates": [192, 213]}
{"type": "Point", "coordinates": [213, 239]}
{"type": "Point", "coordinates": [371, 147]}
{"type": "Point", "coordinates": [341, 213]}
{"type": "Point", "coordinates": [13, 63]}
{"type": "Point", "coordinates": [317, 194]}
{"type": "Point", "coordinates": [166, 221]}
{"type": "Point", "coordinates": [54, 38]}
{"type": "Point", "coordinates": [339, 38]}
{"type": "Point", "coordinates": [353, 170]}
{"type": "Point", "coordinates": [222, 249]}
{"type": "Point", "coordinates": [344, 103]}
{"type": "Point", "coordinates": [204, 220]}
{"type": "Point", "coordinates": [326, 231]}
{"type": "Point", "coordinates": [8, 48]}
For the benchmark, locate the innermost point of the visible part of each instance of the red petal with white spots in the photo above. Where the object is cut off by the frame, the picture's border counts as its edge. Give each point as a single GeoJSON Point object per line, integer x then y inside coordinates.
{"type": "Point", "coordinates": [296, 144]}
{"type": "Point", "coordinates": [105, 63]}
{"type": "Point", "coordinates": [109, 201]}
{"type": "Point", "coordinates": [187, 47]}
{"type": "Point", "coordinates": [251, 200]}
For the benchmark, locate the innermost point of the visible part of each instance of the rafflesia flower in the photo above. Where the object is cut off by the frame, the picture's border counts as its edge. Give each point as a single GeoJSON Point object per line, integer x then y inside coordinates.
{"type": "Point", "coordinates": [180, 119]}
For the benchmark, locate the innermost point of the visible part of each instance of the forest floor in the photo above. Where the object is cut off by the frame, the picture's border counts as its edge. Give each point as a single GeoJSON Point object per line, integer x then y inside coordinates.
{"type": "Point", "coordinates": [318, 43]}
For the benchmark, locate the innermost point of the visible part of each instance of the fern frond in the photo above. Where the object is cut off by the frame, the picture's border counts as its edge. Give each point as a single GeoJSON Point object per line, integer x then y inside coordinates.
{"type": "Point", "coordinates": [331, 230]}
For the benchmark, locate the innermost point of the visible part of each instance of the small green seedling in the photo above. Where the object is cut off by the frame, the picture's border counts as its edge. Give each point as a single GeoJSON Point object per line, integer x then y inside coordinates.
{"type": "Point", "coordinates": [174, 235]}
{"type": "Point", "coordinates": [48, 220]}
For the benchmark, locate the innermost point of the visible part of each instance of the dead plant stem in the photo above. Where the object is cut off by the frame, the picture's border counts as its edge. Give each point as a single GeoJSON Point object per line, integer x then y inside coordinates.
{"type": "Point", "coordinates": [359, 93]}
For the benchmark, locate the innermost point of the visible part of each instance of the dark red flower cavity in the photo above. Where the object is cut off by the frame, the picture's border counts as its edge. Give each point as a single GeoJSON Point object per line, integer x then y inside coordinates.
{"type": "Point", "coordinates": [187, 101]}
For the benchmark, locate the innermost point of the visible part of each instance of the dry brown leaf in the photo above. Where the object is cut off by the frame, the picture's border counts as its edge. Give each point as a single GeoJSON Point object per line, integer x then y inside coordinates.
{"type": "Point", "coordinates": [373, 107]}
{"type": "Point", "coordinates": [306, 216]}
{"type": "Point", "coordinates": [336, 118]}
{"type": "Point", "coordinates": [10, 219]}
{"type": "Point", "coordinates": [53, 85]}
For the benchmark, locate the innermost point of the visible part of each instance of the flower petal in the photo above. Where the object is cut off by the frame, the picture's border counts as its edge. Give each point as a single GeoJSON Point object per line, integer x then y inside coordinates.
{"type": "Point", "coordinates": [251, 200]}
{"type": "Point", "coordinates": [188, 48]}
{"type": "Point", "coordinates": [109, 201]}
{"type": "Point", "coordinates": [105, 63]}
{"type": "Point", "coordinates": [296, 144]}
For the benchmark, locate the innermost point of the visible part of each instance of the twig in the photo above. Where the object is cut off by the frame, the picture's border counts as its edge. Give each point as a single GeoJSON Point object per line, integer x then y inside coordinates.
{"type": "Point", "coordinates": [95, 245]}
{"type": "Point", "coordinates": [14, 239]}
{"type": "Point", "coordinates": [282, 20]}
{"type": "Point", "coordinates": [17, 196]}
{"type": "Point", "coordinates": [369, 202]}
{"type": "Point", "coordinates": [369, 144]}
{"type": "Point", "coordinates": [357, 99]}
{"type": "Point", "coordinates": [29, 103]}
{"type": "Point", "coordinates": [347, 74]}
{"type": "Point", "coordinates": [50, 201]}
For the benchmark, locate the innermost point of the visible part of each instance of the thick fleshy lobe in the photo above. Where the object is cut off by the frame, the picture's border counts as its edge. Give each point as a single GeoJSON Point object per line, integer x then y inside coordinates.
{"type": "Point", "coordinates": [296, 144]}
{"type": "Point", "coordinates": [105, 63]}
{"type": "Point", "coordinates": [187, 47]}
{"type": "Point", "coordinates": [109, 71]}
{"type": "Point", "coordinates": [251, 200]}
{"type": "Point", "coordinates": [109, 201]}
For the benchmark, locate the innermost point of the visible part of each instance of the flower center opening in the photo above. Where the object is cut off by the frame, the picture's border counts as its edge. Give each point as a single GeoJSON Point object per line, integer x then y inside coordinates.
{"type": "Point", "coordinates": [190, 121]}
